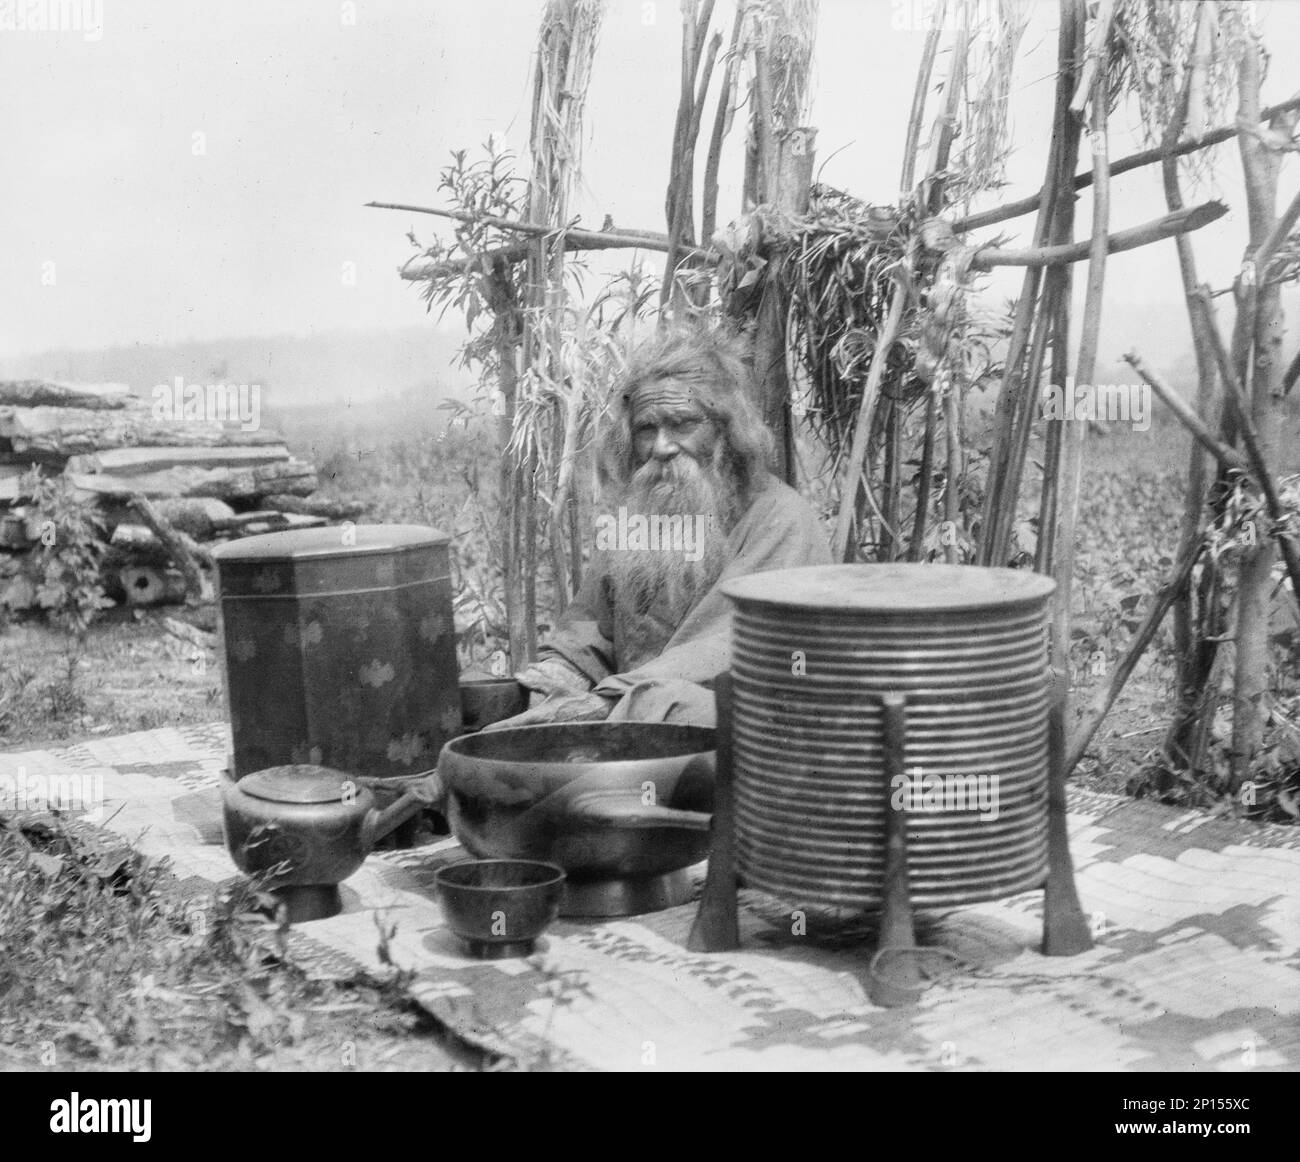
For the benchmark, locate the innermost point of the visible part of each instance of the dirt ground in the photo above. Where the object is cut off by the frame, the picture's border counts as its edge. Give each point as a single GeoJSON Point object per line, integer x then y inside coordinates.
{"type": "Point", "coordinates": [127, 674]}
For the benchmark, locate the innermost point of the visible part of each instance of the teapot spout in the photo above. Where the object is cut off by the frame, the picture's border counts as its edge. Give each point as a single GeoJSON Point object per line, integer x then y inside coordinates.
{"type": "Point", "coordinates": [426, 792]}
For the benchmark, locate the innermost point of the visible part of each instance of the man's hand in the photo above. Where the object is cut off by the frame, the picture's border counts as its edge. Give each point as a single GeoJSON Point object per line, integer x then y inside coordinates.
{"type": "Point", "coordinates": [552, 678]}
{"type": "Point", "coordinates": [561, 708]}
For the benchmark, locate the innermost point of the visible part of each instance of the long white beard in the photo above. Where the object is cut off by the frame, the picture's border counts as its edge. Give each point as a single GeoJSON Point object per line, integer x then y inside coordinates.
{"type": "Point", "coordinates": [686, 488]}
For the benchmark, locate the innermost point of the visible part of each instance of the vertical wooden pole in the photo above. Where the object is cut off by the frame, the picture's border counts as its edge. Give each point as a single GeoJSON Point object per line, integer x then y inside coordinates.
{"type": "Point", "coordinates": [951, 494]}
{"type": "Point", "coordinates": [916, 544]}
{"type": "Point", "coordinates": [1015, 410]}
{"type": "Point", "coordinates": [1191, 658]}
{"type": "Point", "coordinates": [789, 177]}
{"type": "Point", "coordinates": [891, 537]}
{"type": "Point", "coordinates": [721, 123]}
{"type": "Point", "coordinates": [506, 331]}
{"type": "Point", "coordinates": [778, 175]}
{"type": "Point", "coordinates": [1260, 165]}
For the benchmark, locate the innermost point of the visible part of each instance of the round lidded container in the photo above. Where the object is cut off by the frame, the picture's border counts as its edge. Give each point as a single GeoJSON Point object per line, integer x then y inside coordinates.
{"type": "Point", "coordinates": [340, 649]}
{"type": "Point", "coordinates": [814, 649]}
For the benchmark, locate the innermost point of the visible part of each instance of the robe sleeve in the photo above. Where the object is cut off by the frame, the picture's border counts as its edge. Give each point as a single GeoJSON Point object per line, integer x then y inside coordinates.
{"type": "Point", "coordinates": [584, 634]}
{"type": "Point", "coordinates": [780, 531]}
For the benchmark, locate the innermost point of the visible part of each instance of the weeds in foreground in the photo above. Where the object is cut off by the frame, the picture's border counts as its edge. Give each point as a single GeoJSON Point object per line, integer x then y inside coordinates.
{"type": "Point", "coordinates": [106, 963]}
{"type": "Point", "coordinates": [16, 701]}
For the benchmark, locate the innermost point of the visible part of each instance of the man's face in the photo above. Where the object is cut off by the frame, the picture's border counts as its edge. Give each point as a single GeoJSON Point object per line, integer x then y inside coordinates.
{"type": "Point", "coordinates": [681, 470]}
{"type": "Point", "coordinates": [668, 421]}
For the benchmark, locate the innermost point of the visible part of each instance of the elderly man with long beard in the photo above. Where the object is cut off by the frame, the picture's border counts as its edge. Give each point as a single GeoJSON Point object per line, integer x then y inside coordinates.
{"type": "Point", "coordinates": [684, 457]}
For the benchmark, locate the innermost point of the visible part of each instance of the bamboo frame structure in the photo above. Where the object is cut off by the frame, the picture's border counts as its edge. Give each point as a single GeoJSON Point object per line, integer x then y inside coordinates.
{"type": "Point", "coordinates": [1191, 655]}
{"type": "Point", "coordinates": [987, 258]}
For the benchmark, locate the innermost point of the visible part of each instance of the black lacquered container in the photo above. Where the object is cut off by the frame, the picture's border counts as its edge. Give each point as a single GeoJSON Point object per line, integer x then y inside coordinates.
{"type": "Point", "coordinates": [814, 649]}
{"type": "Point", "coordinates": [340, 649]}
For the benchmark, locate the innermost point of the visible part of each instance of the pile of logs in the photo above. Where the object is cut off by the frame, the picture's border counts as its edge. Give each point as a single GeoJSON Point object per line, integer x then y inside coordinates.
{"type": "Point", "coordinates": [166, 489]}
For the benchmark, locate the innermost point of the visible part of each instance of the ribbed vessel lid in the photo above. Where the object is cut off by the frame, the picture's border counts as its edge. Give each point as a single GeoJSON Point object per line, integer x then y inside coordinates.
{"type": "Point", "coordinates": [891, 588]}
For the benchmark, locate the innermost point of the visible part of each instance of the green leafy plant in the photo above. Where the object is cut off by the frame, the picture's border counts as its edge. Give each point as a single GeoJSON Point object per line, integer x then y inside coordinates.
{"type": "Point", "coordinates": [542, 410]}
{"type": "Point", "coordinates": [70, 543]}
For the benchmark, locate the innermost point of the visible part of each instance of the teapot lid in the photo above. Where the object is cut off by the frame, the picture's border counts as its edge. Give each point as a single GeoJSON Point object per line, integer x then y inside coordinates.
{"type": "Point", "coordinates": [301, 783]}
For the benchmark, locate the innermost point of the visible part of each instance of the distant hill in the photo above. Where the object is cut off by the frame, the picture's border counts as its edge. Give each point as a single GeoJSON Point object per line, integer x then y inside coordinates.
{"type": "Point", "coordinates": [294, 371]}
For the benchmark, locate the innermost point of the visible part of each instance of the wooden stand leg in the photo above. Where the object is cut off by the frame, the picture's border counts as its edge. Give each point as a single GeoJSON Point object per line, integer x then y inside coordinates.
{"type": "Point", "coordinates": [1065, 927]}
{"type": "Point", "coordinates": [717, 923]}
{"type": "Point", "coordinates": [895, 979]}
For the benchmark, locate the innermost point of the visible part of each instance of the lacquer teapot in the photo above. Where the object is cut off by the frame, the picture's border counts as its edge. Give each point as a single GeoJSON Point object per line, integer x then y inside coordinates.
{"type": "Point", "coordinates": [310, 828]}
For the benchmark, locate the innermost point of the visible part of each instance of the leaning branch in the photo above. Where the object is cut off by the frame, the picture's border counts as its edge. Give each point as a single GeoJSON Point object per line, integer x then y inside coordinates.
{"type": "Point", "coordinates": [1228, 457]}
{"type": "Point", "coordinates": [853, 467]}
{"type": "Point", "coordinates": [1250, 437]}
{"type": "Point", "coordinates": [422, 268]}
{"type": "Point", "coordinates": [1164, 598]}
{"type": "Point", "coordinates": [536, 229]}
{"type": "Point", "coordinates": [1133, 161]}
{"type": "Point", "coordinates": [1182, 222]}
{"type": "Point", "coordinates": [1281, 228]}
{"type": "Point", "coordinates": [913, 140]}
{"type": "Point", "coordinates": [574, 239]}
{"type": "Point", "coordinates": [181, 549]}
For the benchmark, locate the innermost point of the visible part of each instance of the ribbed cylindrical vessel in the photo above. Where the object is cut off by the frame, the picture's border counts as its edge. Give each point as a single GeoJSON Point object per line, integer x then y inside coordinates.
{"type": "Point", "coordinates": [814, 650]}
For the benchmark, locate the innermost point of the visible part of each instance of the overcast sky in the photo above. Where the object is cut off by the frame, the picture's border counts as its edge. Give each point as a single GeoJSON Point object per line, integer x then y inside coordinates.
{"type": "Point", "coordinates": [199, 169]}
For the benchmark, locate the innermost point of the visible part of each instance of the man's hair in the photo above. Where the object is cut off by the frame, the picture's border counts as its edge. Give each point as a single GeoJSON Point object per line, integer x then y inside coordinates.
{"type": "Point", "coordinates": [711, 361]}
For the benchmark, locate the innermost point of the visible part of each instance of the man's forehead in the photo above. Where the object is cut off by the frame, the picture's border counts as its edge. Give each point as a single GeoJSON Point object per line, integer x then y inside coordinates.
{"type": "Point", "coordinates": [665, 395]}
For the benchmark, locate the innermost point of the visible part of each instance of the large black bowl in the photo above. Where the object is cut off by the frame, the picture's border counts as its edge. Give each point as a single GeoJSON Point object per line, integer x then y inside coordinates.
{"type": "Point", "coordinates": [597, 798]}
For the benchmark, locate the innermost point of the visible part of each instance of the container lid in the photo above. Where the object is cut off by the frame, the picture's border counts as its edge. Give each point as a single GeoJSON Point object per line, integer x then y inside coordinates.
{"type": "Point", "coordinates": [318, 543]}
{"type": "Point", "coordinates": [300, 783]}
{"type": "Point", "coordinates": [891, 588]}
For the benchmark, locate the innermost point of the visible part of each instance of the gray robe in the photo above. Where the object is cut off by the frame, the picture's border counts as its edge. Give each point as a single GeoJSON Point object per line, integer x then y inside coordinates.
{"type": "Point", "coordinates": [660, 664]}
